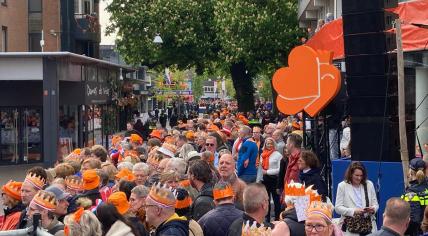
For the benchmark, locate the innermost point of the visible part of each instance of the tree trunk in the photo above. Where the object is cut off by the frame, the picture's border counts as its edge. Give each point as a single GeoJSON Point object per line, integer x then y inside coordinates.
{"type": "Point", "coordinates": [274, 96]}
{"type": "Point", "coordinates": [243, 84]}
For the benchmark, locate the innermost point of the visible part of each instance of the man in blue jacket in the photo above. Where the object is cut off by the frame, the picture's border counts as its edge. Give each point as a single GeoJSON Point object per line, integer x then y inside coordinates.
{"type": "Point", "coordinates": [247, 156]}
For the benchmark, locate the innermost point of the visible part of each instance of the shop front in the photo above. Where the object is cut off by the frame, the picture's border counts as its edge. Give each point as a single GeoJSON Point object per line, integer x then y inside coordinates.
{"type": "Point", "coordinates": [52, 103]}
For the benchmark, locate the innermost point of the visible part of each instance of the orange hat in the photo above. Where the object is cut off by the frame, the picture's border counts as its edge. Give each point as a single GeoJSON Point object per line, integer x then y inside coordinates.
{"type": "Point", "coordinates": [91, 180]}
{"type": "Point", "coordinates": [220, 191]}
{"type": "Point", "coordinates": [160, 194]}
{"type": "Point", "coordinates": [73, 183]}
{"type": "Point", "coordinates": [35, 180]}
{"type": "Point", "coordinates": [320, 209]}
{"type": "Point", "coordinates": [125, 174]}
{"type": "Point", "coordinates": [13, 189]}
{"type": "Point", "coordinates": [44, 200]}
{"type": "Point", "coordinates": [116, 139]}
{"type": "Point", "coordinates": [156, 134]}
{"type": "Point", "coordinates": [243, 119]}
{"type": "Point", "coordinates": [135, 138]}
{"type": "Point", "coordinates": [77, 151]}
{"type": "Point", "coordinates": [190, 135]}
{"type": "Point", "coordinates": [212, 127]}
{"type": "Point", "coordinates": [119, 200]}
{"type": "Point", "coordinates": [183, 199]}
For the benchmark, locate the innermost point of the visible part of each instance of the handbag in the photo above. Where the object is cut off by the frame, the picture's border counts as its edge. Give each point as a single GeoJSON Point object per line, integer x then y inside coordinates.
{"type": "Point", "coordinates": [359, 223]}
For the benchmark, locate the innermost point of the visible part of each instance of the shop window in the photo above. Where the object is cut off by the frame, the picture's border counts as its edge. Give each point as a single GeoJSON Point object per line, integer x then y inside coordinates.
{"type": "Point", "coordinates": [35, 6]}
{"type": "Point", "coordinates": [34, 42]}
{"type": "Point", "coordinates": [68, 128]}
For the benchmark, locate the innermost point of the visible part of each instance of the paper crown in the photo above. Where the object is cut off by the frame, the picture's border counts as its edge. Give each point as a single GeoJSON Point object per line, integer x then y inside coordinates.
{"type": "Point", "coordinates": [294, 189]}
{"type": "Point", "coordinates": [253, 230]}
{"type": "Point", "coordinates": [74, 183]}
{"type": "Point", "coordinates": [35, 180]}
{"type": "Point", "coordinates": [135, 138]}
{"type": "Point", "coordinates": [125, 174]}
{"type": "Point", "coordinates": [320, 209]}
{"type": "Point", "coordinates": [44, 200]}
{"type": "Point", "coordinates": [13, 189]}
{"type": "Point", "coordinates": [159, 194]}
{"type": "Point", "coordinates": [313, 194]}
{"type": "Point", "coordinates": [220, 193]}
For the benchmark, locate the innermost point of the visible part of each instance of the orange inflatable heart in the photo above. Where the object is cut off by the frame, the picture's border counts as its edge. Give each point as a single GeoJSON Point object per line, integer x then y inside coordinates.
{"type": "Point", "coordinates": [309, 83]}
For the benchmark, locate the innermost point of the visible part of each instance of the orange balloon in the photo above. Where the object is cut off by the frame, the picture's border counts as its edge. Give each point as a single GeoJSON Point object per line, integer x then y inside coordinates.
{"type": "Point", "coordinates": [309, 83]}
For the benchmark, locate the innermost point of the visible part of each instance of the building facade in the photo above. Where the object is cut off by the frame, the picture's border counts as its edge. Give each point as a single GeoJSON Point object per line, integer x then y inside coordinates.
{"type": "Point", "coordinates": [50, 25]}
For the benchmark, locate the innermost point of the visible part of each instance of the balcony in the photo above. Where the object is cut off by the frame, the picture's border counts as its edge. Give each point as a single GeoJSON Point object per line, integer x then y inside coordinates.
{"type": "Point", "coordinates": [308, 11]}
{"type": "Point", "coordinates": [87, 27]}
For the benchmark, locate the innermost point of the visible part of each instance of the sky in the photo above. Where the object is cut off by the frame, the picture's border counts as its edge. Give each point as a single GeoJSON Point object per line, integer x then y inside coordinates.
{"type": "Point", "coordinates": [104, 21]}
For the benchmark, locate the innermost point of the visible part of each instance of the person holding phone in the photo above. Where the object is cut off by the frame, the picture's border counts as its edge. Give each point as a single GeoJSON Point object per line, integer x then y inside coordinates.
{"type": "Point", "coordinates": [356, 200]}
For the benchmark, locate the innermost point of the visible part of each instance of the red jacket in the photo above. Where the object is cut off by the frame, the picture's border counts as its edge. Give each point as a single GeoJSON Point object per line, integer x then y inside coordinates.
{"type": "Point", "coordinates": [10, 221]}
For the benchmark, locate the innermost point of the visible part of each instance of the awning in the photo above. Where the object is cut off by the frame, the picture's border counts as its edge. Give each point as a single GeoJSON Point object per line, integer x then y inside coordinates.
{"type": "Point", "coordinates": [330, 37]}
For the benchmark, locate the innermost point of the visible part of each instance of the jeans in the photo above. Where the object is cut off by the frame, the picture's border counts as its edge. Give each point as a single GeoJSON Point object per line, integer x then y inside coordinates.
{"type": "Point", "coordinates": [248, 179]}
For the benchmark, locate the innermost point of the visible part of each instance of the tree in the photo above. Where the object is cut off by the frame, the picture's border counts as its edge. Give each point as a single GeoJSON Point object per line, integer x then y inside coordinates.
{"type": "Point", "coordinates": [242, 37]}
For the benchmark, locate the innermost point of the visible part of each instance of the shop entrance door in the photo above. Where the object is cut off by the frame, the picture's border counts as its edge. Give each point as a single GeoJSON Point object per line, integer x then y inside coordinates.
{"type": "Point", "coordinates": [20, 135]}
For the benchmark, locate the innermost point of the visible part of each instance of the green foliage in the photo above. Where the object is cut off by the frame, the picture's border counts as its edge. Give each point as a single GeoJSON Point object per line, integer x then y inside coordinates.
{"type": "Point", "coordinates": [264, 87]}
{"type": "Point", "coordinates": [204, 34]}
{"type": "Point", "coordinates": [230, 90]}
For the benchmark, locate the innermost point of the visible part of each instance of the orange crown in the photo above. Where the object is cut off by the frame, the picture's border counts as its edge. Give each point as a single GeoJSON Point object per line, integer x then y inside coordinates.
{"type": "Point", "coordinates": [186, 202]}
{"type": "Point", "coordinates": [313, 194]}
{"type": "Point", "coordinates": [125, 174]}
{"type": "Point", "coordinates": [13, 189]}
{"type": "Point", "coordinates": [35, 180]}
{"type": "Point", "coordinates": [44, 200]}
{"type": "Point", "coordinates": [160, 194]}
{"type": "Point", "coordinates": [73, 183]}
{"type": "Point", "coordinates": [294, 189]}
{"type": "Point", "coordinates": [223, 193]}
{"type": "Point", "coordinates": [320, 209]}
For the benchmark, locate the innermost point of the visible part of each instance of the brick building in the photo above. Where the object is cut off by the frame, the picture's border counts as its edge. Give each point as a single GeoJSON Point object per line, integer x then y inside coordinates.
{"type": "Point", "coordinates": [64, 25]}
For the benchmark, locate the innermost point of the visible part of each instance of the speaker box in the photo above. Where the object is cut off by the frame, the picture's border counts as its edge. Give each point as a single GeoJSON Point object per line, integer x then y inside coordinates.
{"type": "Point", "coordinates": [365, 22]}
{"type": "Point", "coordinates": [372, 142]}
{"type": "Point", "coordinates": [373, 106]}
{"type": "Point", "coordinates": [354, 6]}
{"type": "Point", "coordinates": [369, 43]}
{"type": "Point", "coordinates": [378, 64]}
{"type": "Point", "coordinates": [376, 85]}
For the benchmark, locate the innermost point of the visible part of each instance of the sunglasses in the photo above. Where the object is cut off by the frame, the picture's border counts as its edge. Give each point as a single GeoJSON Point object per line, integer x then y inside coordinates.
{"type": "Point", "coordinates": [209, 144]}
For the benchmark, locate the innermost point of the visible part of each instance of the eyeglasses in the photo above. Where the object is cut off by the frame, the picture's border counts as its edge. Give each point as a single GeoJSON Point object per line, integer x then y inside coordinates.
{"type": "Point", "coordinates": [209, 144]}
{"type": "Point", "coordinates": [318, 228]}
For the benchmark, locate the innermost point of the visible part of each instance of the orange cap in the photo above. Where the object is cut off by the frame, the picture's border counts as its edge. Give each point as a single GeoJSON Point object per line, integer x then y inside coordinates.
{"type": "Point", "coordinates": [190, 135]}
{"type": "Point", "coordinates": [125, 174]}
{"type": "Point", "coordinates": [135, 138]}
{"type": "Point", "coordinates": [91, 180]}
{"type": "Point", "coordinates": [13, 189]}
{"type": "Point", "coordinates": [119, 200]}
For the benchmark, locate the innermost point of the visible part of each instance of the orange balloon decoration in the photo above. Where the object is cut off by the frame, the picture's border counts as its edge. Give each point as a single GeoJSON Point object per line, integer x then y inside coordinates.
{"type": "Point", "coordinates": [309, 83]}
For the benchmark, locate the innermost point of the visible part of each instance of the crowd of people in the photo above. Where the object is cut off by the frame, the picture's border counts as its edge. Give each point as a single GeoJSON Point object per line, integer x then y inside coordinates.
{"type": "Point", "coordinates": [217, 175]}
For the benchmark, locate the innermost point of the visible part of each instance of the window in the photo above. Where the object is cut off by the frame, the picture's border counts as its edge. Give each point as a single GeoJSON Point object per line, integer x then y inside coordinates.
{"type": "Point", "coordinates": [34, 42]}
{"type": "Point", "coordinates": [34, 5]}
{"type": "Point", "coordinates": [85, 7]}
{"type": "Point", "coordinates": [3, 39]}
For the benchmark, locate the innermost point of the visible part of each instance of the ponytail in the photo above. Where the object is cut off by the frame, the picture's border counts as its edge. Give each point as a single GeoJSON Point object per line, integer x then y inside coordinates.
{"type": "Point", "coordinates": [420, 175]}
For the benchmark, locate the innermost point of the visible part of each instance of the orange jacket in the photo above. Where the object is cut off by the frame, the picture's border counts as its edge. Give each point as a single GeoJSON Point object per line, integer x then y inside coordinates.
{"type": "Point", "coordinates": [10, 221]}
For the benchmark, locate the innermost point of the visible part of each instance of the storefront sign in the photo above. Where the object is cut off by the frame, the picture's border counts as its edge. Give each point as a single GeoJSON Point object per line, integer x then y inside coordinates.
{"type": "Point", "coordinates": [97, 93]}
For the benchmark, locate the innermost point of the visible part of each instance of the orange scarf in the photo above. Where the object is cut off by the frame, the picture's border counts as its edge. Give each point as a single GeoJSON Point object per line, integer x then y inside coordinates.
{"type": "Point", "coordinates": [265, 157]}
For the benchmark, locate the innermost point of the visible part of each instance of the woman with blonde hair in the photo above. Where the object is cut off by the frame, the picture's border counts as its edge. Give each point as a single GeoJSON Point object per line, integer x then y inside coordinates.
{"type": "Point", "coordinates": [418, 186]}
{"type": "Point", "coordinates": [82, 223]}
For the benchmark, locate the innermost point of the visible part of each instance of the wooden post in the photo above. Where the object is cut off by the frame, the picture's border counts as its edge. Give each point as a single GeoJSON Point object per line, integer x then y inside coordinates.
{"type": "Point", "coordinates": [404, 153]}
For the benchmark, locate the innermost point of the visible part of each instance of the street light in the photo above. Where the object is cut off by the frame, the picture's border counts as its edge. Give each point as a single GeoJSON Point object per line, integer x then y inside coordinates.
{"type": "Point", "coordinates": [158, 39]}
